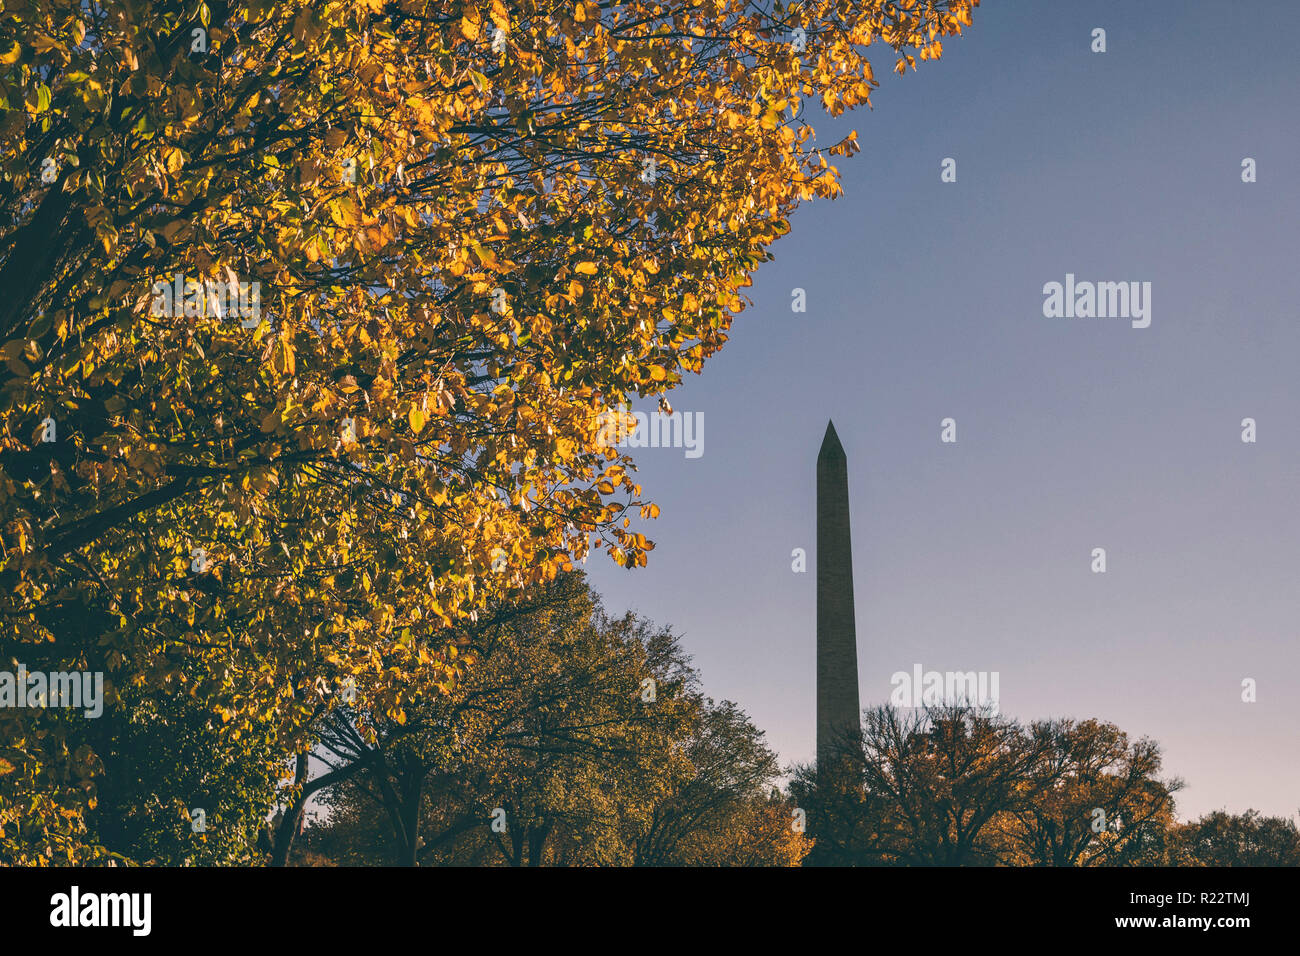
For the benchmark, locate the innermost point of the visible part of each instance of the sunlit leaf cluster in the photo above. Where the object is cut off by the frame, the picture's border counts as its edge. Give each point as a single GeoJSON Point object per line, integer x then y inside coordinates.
{"type": "Point", "coordinates": [459, 233]}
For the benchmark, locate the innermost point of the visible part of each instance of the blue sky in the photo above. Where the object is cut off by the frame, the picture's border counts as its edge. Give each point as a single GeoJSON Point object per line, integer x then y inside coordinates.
{"type": "Point", "coordinates": [925, 301]}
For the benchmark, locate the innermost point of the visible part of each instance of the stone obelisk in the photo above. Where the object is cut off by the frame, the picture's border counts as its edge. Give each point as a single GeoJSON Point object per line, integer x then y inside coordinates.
{"type": "Point", "coordinates": [837, 645]}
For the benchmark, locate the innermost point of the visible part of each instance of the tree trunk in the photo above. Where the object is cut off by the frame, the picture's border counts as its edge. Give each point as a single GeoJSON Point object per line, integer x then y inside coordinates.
{"type": "Point", "coordinates": [291, 826]}
{"type": "Point", "coordinates": [537, 843]}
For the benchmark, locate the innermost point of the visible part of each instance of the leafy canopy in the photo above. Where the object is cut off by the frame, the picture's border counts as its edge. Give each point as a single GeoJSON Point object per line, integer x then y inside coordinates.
{"type": "Point", "coordinates": [474, 229]}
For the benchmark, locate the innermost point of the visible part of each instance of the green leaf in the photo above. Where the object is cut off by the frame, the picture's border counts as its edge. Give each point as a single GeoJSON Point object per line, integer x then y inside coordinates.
{"type": "Point", "coordinates": [41, 99]}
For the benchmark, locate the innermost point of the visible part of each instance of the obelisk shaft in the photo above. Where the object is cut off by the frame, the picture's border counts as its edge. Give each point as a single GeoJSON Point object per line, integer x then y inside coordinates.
{"type": "Point", "coordinates": [838, 715]}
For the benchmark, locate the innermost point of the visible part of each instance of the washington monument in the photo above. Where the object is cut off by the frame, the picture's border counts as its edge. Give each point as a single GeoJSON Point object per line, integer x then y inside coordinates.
{"type": "Point", "coordinates": [837, 643]}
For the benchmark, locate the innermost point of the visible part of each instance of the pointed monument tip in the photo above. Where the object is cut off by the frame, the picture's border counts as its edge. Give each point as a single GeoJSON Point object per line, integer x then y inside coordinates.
{"type": "Point", "coordinates": [831, 446]}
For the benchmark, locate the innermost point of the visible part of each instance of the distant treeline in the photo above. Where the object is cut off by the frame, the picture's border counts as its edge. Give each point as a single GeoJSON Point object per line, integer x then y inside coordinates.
{"type": "Point", "coordinates": [579, 738]}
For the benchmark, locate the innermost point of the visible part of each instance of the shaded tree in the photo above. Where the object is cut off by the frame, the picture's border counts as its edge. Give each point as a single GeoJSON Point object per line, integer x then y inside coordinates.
{"type": "Point", "coordinates": [714, 809]}
{"type": "Point", "coordinates": [166, 760]}
{"type": "Point", "coordinates": [958, 785]}
{"type": "Point", "coordinates": [1097, 800]}
{"type": "Point", "coordinates": [584, 737]}
{"type": "Point", "coordinates": [1242, 839]}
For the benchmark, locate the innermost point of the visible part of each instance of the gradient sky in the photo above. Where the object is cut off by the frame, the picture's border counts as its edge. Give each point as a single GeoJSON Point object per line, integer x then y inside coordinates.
{"type": "Point", "coordinates": [925, 301]}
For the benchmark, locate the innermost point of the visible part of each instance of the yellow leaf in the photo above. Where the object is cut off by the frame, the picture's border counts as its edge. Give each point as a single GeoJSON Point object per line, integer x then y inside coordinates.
{"type": "Point", "coordinates": [283, 360]}
{"type": "Point", "coordinates": [416, 418]}
{"type": "Point", "coordinates": [174, 161]}
{"type": "Point", "coordinates": [586, 268]}
{"type": "Point", "coordinates": [499, 15]}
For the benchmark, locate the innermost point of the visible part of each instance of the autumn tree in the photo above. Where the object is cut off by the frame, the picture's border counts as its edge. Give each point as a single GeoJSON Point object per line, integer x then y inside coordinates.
{"type": "Point", "coordinates": [566, 717]}
{"type": "Point", "coordinates": [1244, 839]}
{"type": "Point", "coordinates": [583, 738]}
{"type": "Point", "coordinates": [957, 785]}
{"type": "Point", "coordinates": [1095, 800]}
{"type": "Point", "coordinates": [756, 831]}
{"type": "Point", "coordinates": [846, 824]}
{"type": "Point", "coordinates": [355, 737]}
{"type": "Point", "coordinates": [717, 806]}
{"type": "Point", "coordinates": [314, 315]}
{"type": "Point", "coordinates": [945, 773]}
{"type": "Point", "coordinates": [176, 790]}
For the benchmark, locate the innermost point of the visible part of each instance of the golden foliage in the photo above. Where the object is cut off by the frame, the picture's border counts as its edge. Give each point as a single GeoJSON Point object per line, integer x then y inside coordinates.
{"type": "Point", "coordinates": [462, 265]}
